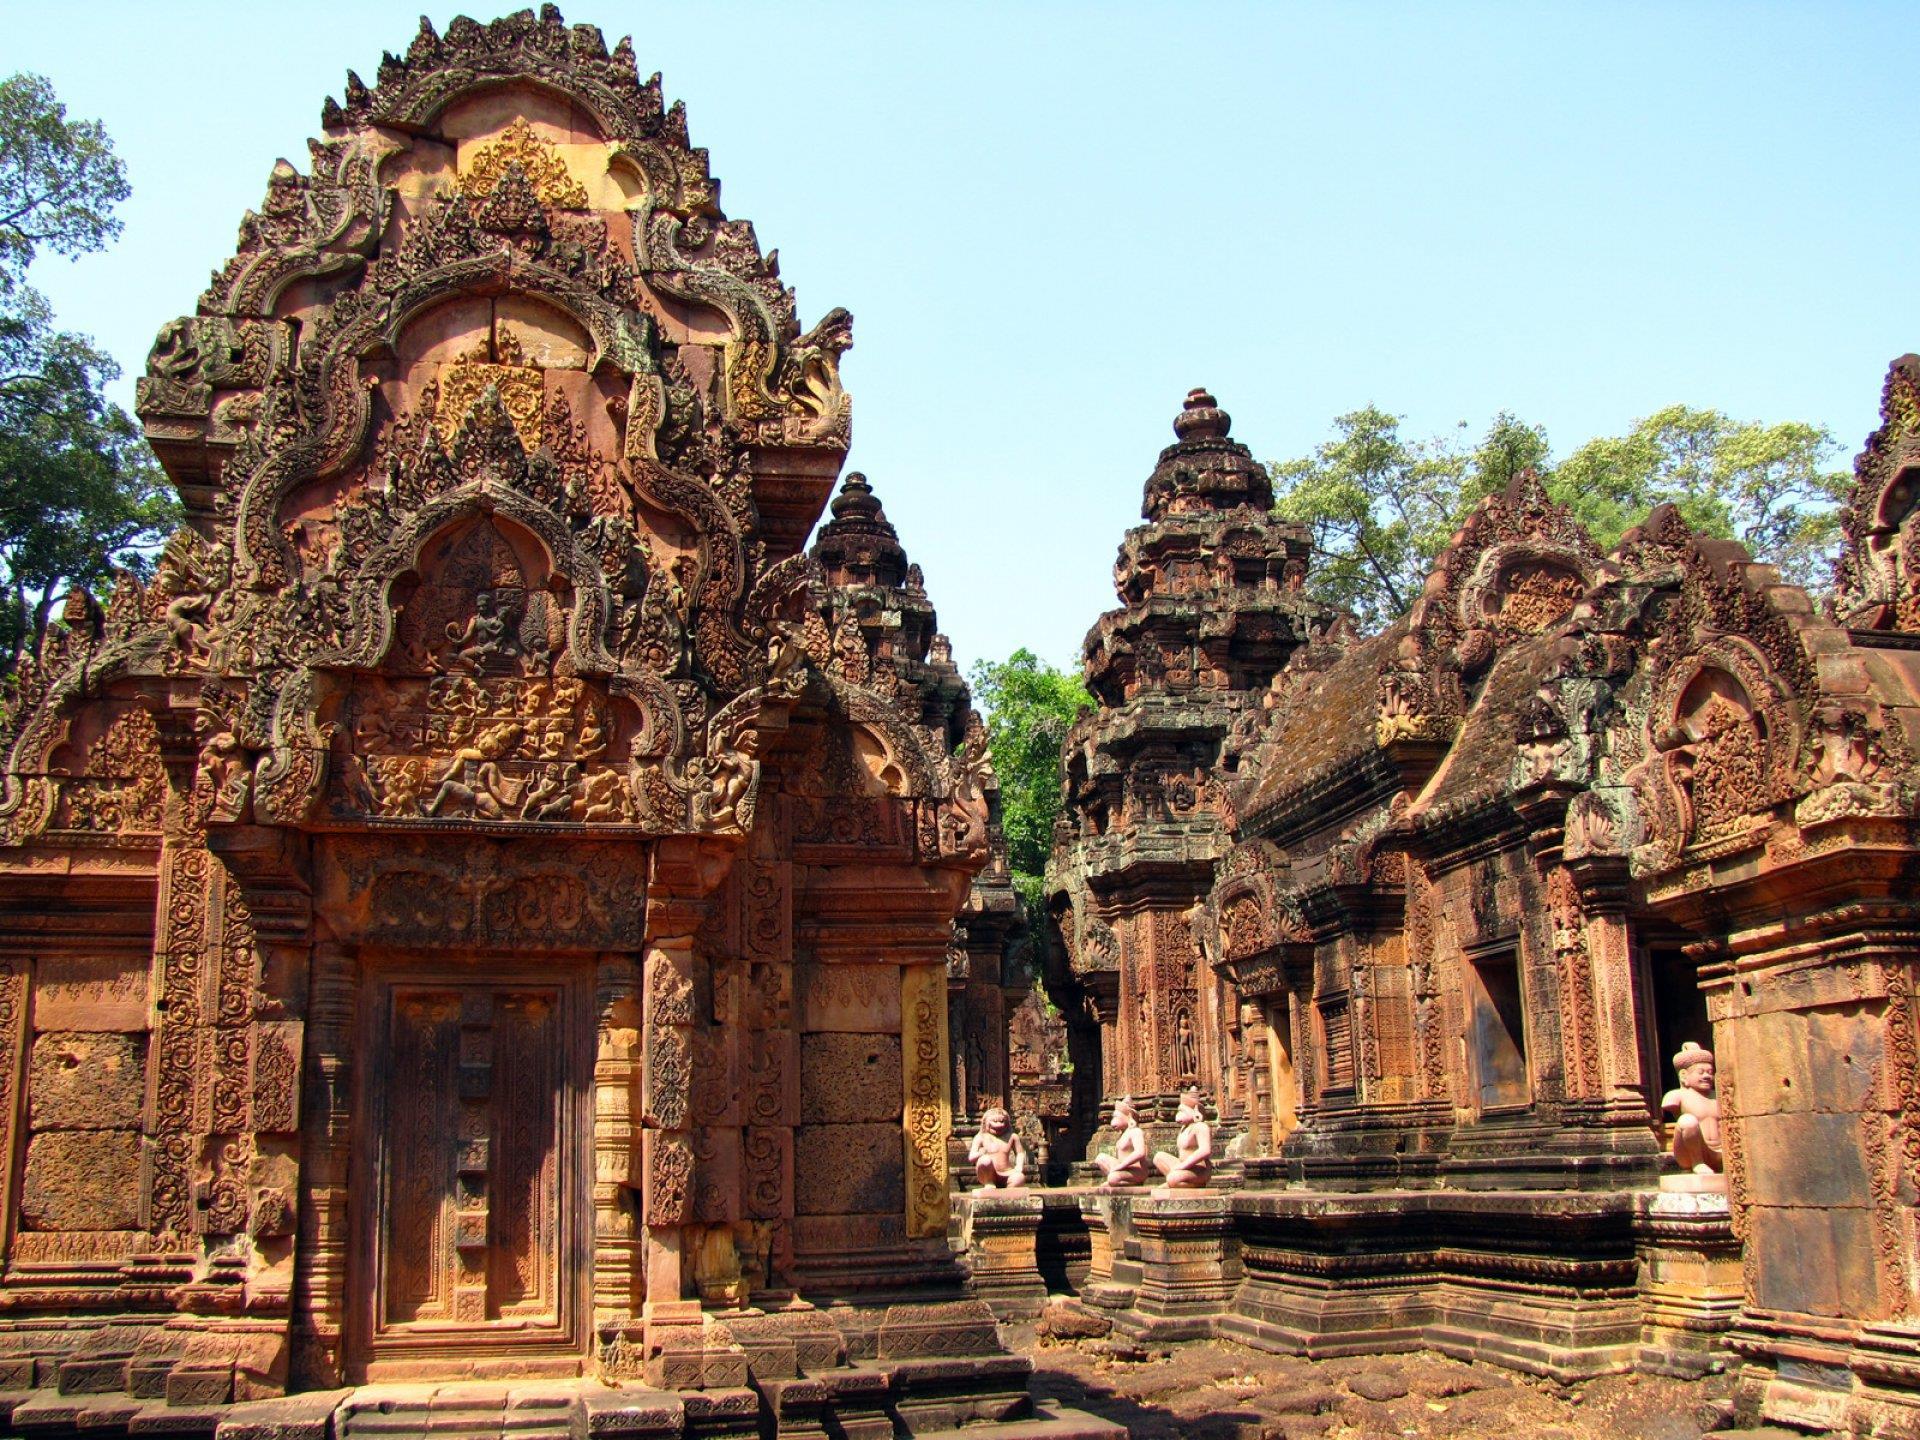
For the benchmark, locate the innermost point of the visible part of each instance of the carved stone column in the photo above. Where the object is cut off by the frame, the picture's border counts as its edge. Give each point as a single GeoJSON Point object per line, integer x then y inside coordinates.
{"type": "Point", "coordinates": [1622, 1084]}
{"type": "Point", "coordinates": [617, 1250]}
{"type": "Point", "coordinates": [682, 877]}
{"type": "Point", "coordinates": [320, 1283]}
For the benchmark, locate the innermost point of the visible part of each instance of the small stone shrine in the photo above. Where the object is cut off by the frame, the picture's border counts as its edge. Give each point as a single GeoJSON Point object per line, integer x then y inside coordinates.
{"type": "Point", "coordinates": [486, 911]}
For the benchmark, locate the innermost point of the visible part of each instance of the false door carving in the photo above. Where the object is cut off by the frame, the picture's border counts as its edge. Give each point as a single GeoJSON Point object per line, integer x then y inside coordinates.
{"type": "Point", "coordinates": [473, 1188]}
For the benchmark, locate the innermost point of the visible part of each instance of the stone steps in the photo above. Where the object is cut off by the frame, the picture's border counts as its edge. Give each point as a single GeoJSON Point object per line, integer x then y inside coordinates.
{"type": "Point", "coordinates": [1048, 1422]}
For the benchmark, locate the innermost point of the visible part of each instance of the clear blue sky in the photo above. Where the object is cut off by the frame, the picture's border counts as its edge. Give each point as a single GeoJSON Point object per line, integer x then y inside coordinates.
{"type": "Point", "coordinates": [1051, 220]}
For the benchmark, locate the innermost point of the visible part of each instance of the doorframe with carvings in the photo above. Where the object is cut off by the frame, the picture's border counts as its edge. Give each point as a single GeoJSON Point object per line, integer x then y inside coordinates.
{"type": "Point", "coordinates": [565, 1348]}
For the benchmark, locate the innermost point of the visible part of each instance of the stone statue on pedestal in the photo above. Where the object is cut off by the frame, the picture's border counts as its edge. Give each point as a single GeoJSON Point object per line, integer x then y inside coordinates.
{"type": "Point", "coordinates": [998, 1154]}
{"type": "Point", "coordinates": [1696, 1131]}
{"type": "Point", "coordinates": [1192, 1166]}
{"type": "Point", "coordinates": [1128, 1163]}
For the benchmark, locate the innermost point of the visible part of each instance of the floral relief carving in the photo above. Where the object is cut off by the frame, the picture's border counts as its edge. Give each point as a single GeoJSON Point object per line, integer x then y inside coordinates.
{"type": "Point", "coordinates": [539, 163]}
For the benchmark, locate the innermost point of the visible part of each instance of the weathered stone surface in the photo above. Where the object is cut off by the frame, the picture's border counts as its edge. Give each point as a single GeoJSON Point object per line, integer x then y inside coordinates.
{"type": "Point", "coordinates": [90, 992]}
{"type": "Point", "coordinates": [1065, 1320]}
{"type": "Point", "coordinates": [848, 1078]}
{"type": "Point", "coordinates": [82, 1180]}
{"type": "Point", "coordinates": [86, 1081]}
{"type": "Point", "coordinates": [1378, 1385]}
{"type": "Point", "coordinates": [849, 996]}
{"type": "Point", "coordinates": [849, 1170]}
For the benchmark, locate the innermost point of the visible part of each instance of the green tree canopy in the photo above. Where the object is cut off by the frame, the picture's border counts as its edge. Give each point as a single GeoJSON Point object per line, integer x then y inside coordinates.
{"type": "Point", "coordinates": [1030, 706]}
{"type": "Point", "coordinates": [1380, 507]}
{"type": "Point", "coordinates": [79, 490]}
{"type": "Point", "coordinates": [1771, 487]}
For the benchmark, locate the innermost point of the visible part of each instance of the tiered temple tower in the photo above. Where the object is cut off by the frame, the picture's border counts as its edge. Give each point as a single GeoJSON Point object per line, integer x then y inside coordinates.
{"type": "Point", "coordinates": [1212, 605]}
{"type": "Point", "coordinates": [882, 633]}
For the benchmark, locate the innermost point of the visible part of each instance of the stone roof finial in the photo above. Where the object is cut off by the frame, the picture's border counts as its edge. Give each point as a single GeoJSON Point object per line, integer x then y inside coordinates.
{"type": "Point", "coordinates": [856, 500]}
{"type": "Point", "coordinates": [1204, 472]}
{"type": "Point", "coordinates": [1202, 419]}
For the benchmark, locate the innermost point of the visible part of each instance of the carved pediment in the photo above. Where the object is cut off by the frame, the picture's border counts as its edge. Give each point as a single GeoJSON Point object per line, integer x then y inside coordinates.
{"type": "Point", "coordinates": [1878, 573]}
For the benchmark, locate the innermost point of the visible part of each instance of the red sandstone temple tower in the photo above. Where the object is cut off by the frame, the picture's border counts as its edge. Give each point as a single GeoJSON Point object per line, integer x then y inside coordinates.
{"type": "Point", "coordinates": [1211, 608]}
{"type": "Point", "coordinates": [882, 633]}
{"type": "Point", "coordinates": [486, 905]}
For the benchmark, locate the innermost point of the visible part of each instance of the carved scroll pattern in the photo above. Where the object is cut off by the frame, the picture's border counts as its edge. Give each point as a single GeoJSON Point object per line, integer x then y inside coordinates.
{"type": "Point", "coordinates": [926, 1117]}
{"type": "Point", "coordinates": [14, 981]}
{"type": "Point", "coordinates": [183, 959]}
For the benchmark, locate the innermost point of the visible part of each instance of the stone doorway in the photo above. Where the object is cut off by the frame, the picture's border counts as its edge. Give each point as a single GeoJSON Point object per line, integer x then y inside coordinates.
{"type": "Point", "coordinates": [471, 1182]}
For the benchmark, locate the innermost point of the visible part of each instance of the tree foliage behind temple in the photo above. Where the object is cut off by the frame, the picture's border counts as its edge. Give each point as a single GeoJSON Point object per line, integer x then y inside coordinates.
{"type": "Point", "coordinates": [78, 487]}
{"type": "Point", "coordinates": [1380, 507]}
{"type": "Point", "coordinates": [1030, 706]}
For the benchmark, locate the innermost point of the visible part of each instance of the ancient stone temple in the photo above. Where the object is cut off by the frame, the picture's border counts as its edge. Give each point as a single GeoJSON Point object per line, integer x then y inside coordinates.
{"type": "Point", "coordinates": [1211, 607]}
{"type": "Point", "coordinates": [1479, 886]}
{"type": "Point", "coordinates": [486, 909]}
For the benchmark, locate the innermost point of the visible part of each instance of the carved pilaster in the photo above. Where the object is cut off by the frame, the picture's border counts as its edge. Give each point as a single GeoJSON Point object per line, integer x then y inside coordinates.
{"type": "Point", "coordinates": [666, 1103]}
{"type": "Point", "coordinates": [926, 1114]}
{"type": "Point", "coordinates": [175, 1070]}
{"type": "Point", "coordinates": [15, 978]}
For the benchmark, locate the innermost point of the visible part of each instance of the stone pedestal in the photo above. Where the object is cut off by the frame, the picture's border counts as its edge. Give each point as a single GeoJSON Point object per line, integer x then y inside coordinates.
{"type": "Point", "coordinates": [1189, 1264]}
{"type": "Point", "coordinates": [999, 1232]}
{"type": "Point", "coordinates": [1113, 1262]}
{"type": "Point", "coordinates": [1689, 1280]}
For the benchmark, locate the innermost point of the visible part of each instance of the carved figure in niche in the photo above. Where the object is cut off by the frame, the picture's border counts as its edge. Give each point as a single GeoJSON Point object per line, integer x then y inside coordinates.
{"type": "Point", "coordinates": [963, 823]}
{"type": "Point", "coordinates": [850, 659]}
{"type": "Point", "coordinates": [1244, 932]}
{"type": "Point", "coordinates": [223, 761]}
{"type": "Point", "coordinates": [978, 1070]}
{"type": "Point", "coordinates": [1696, 1130]}
{"type": "Point", "coordinates": [1541, 737]}
{"type": "Point", "coordinates": [490, 639]}
{"type": "Point", "coordinates": [473, 779]}
{"type": "Point", "coordinates": [1127, 1165]}
{"type": "Point", "coordinates": [193, 587]}
{"type": "Point", "coordinates": [591, 742]}
{"type": "Point", "coordinates": [1192, 1165]}
{"type": "Point", "coordinates": [1186, 1054]}
{"type": "Point", "coordinates": [734, 770]}
{"type": "Point", "coordinates": [997, 1154]}
{"type": "Point", "coordinates": [1716, 760]}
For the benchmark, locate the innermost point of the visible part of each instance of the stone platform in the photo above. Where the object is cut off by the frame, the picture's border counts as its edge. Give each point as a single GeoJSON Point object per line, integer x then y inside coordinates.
{"type": "Point", "coordinates": [1559, 1283]}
